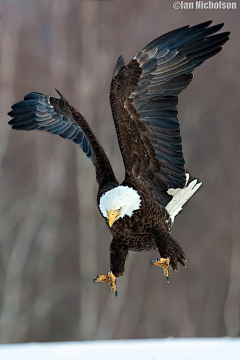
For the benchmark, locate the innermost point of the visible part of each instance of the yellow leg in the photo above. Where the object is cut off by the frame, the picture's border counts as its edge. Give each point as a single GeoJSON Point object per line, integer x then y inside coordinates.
{"type": "Point", "coordinates": [110, 279]}
{"type": "Point", "coordinates": [164, 264]}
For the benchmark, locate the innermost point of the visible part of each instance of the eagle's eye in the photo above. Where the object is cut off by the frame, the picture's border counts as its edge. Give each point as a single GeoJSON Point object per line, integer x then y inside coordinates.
{"type": "Point", "coordinates": [119, 210]}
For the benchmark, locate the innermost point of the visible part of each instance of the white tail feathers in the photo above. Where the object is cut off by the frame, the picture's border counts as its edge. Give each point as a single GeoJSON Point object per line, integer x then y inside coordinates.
{"type": "Point", "coordinates": [181, 196]}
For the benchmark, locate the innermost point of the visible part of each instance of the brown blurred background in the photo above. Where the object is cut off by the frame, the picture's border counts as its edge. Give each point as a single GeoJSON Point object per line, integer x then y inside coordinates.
{"type": "Point", "coordinates": [53, 241]}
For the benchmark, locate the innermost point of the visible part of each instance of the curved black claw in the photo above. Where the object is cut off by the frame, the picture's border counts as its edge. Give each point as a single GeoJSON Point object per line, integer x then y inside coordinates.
{"type": "Point", "coordinates": [95, 280]}
{"type": "Point", "coordinates": [116, 292]}
{"type": "Point", "coordinates": [152, 262]}
{"type": "Point", "coordinates": [168, 279]}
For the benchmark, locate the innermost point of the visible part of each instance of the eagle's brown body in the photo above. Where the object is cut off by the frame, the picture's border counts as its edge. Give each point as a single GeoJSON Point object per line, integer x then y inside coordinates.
{"type": "Point", "coordinates": [143, 98]}
{"type": "Point", "coordinates": [132, 234]}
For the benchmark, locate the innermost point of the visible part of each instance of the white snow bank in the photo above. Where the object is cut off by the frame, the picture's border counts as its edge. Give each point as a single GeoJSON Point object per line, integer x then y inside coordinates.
{"type": "Point", "coordinates": [180, 349]}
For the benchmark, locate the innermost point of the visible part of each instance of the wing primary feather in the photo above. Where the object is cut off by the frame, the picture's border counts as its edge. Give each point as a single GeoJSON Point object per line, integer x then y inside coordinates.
{"type": "Point", "coordinates": [61, 96]}
{"type": "Point", "coordinates": [119, 65]}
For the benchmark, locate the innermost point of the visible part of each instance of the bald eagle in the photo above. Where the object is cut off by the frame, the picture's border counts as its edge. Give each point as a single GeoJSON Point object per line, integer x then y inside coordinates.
{"type": "Point", "coordinates": [140, 211]}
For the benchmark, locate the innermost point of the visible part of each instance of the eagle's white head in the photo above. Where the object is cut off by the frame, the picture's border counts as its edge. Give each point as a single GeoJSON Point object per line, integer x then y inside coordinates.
{"type": "Point", "coordinates": [119, 202]}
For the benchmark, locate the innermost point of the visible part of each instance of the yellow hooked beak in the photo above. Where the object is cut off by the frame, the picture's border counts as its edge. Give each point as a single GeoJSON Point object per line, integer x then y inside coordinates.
{"type": "Point", "coordinates": [113, 216]}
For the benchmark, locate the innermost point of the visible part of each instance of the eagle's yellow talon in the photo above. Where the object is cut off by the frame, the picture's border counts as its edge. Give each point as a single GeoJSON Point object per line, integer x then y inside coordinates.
{"type": "Point", "coordinates": [110, 279]}
{"type": "Point", "coordinates": [164, 264]}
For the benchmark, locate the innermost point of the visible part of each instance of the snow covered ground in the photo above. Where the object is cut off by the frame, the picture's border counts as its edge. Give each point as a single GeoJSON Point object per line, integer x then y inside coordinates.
{"type": "Point", "coordinates": [180, 349]}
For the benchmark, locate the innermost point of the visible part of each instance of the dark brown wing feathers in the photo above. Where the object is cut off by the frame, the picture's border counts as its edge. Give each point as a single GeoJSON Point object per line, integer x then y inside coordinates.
{"type": "Point", "coordinates": [144, 98]}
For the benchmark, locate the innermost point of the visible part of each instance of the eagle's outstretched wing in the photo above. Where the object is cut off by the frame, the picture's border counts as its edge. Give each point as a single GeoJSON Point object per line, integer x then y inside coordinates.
{"type": "Point", "coordinates": [144, 97]}
{"type": "Point", "coordinates": [57, 116]}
